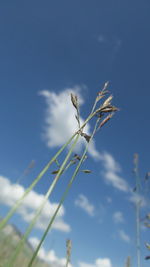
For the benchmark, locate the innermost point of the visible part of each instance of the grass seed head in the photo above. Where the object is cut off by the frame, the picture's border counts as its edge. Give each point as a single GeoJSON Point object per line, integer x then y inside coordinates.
{"type": "Point", "coordinates": [86, 171]}
{"type": "Point", "coordinates": [74, 100]}
{"type": "Point", "coordinates": [76, 156]}
{"type": "Point", "coordinates": [69, 246]}
{"type": "Point", "coordinates": [105, 120]}
{"type": "Point", "coordinates": [86, 136]}
{"type": "Point", "coordinates": [109, 109]}
{"type": "Point", "coordinates": [107, 101]}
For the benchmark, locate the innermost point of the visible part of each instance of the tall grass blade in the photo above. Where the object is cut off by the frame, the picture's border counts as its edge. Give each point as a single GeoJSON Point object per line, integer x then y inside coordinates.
{"type": "Point", "coordinates": [37, 179]}
{"type": "Point", "coordinates": [62, 199]}
{"type": "Point", "coordinates": [50, 190]}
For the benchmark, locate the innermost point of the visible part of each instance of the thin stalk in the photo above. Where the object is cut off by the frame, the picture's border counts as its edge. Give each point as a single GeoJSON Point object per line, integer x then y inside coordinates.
{"type": "Point", "coordinates": [138, 241]}
{"type": "Point", "coordinates": [138, 247]}
{"type": "Point", "coordinates": [68, 255]}
{"type": "Point", "coordinates": [67, 261]}
{"type": "Point", "coordinates": [50, 190]}
{"type": "Point", "coordinates": [94, 106]}
{"type": "Point", "coordinates": [128, 262]}
{"type": "Point", "coordinates": [62, 199]}
{"type": "Point", "coordinates": [37, 179]}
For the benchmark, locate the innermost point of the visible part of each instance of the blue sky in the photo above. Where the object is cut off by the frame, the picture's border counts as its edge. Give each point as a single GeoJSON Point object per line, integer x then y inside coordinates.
{"type": "Point", "coordinates": [47, 50]}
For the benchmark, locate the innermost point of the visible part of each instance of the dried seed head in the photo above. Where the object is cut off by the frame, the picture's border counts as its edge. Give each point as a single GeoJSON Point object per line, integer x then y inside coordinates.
{"type": "Point", "coordinates": [55, 172]}
{"type": "Point", "coordinates": [107, 101]}
{"type": "Point", "coordinates": [102, 93]}
{"type": "Point", "coordinates": [100, 96]}
{"type": "Point", "coordinates": [87, 137]}
{"type": "Point", "coordinates": [76, 156]}
{"type": "Point", "coordinates": [86, 171]}
{"type": "Point", "coordinates": [74, 100]}
{"type": "Point", "coordinates": [109, 109]}
{"type": "Point", "coordinates": [105, 120]}
{"type": "Point", "coordinates": [69, 246]}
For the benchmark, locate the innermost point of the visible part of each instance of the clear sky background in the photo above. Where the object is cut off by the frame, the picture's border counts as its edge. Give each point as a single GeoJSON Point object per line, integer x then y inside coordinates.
{"type": "Point", "coordinates": [48, 49]}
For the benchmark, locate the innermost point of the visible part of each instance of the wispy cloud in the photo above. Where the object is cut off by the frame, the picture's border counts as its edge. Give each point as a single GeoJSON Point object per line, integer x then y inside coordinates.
{"type": "Point", "coordinates": [10, 193]}
{"type": "Point", "coordinates": [138, 199]}
{"type": "Point", "coordinates": [83, 202]}
{"type": "Point", "coordinates": [124, 236]}
{"type": "Point", "coordinates": [112, 42]}
{"type": "Point", "coordinates": [110, 163]}
{"type": "Point", "coordinates": [100, 262]}
{"type": "Point", "coordinates": [109, 200]}
{"type": "Point", "coordinates": [111, 173]}
{"type": "Point", "coordinates": [118, 217]}
{"type": "Point", "coordinates": [60, 122]}
{"type": "Point", "coordinates": [48, 256]}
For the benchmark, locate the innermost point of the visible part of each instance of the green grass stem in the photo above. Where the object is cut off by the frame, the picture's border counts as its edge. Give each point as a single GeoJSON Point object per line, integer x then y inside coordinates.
{"type": "Point", "coordinates": [62, 199]}
{"type": "Point", "coordinates": [37, 179]}
{"type": "Point", "coordinates": [38, 212]}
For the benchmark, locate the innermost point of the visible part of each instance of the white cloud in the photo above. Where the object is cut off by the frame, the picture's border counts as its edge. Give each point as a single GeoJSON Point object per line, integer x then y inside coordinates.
{"type": "Point", "coordinates": [84, 204]}
{"type": "Point", "coordinates": [60, 122]}
{"type": "Point", "coordinates": [51, 257]}
{"type": "Point", "coordinates": [118, 217]}
{"type": "Point", "coordinates": [124, 236]}
{"type": "Point", "coordinates": [110, 173]}
{"type": "Point", "coordinates": [10, 193]}
{"type": "Point", "coordinates": [116, 181]}
{"type": "Point", "coordinates": [48, 256]}
{"type": "Point", "coordinates": [138, 199]}
{"type": "Point", "coordinates": [105, 262]}
{"type": "Point", "coordinates": [110, 163]}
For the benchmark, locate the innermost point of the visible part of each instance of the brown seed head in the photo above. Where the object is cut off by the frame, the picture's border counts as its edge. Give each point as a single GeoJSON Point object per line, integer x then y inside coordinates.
{"type": "Point", "coordinates": [74, 100]}
{"type": "Point", "coordinates": [87, 137]}
{"type": "Point", "coordinates": [105, 120]}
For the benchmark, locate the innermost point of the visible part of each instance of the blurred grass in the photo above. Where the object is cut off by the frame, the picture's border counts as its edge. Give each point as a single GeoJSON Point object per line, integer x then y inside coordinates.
{"type": "Point", "coordinates": [9, 238]}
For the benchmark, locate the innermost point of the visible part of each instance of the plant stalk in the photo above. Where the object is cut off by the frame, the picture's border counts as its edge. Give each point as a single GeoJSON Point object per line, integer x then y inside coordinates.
{"type": "Point", "coordinates": [38, 212]}
{"type": "Point", "coordinates": [62, 199]}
